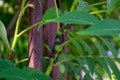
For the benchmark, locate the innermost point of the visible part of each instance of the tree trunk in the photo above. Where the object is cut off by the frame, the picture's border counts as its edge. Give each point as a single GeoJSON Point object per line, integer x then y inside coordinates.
{"type": "Point", "coordinates": [35, 36]}
{"type": "Point", "coordinates": [50, 31]}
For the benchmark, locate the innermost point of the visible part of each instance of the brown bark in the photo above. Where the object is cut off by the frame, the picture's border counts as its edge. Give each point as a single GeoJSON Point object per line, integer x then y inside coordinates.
{"type": "Point", "coordinates": [35, 36]}
{"type": "Point", "coordinates": [50, 31]}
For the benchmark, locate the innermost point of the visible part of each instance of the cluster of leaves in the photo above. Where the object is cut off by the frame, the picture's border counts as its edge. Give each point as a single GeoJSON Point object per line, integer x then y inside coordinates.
{"type": "Point", "coordinates": [10, 72]}
{"type": "Point", "coordinates": [94, 63]}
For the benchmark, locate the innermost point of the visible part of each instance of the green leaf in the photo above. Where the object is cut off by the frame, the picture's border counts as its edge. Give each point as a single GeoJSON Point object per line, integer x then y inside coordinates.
{"type": "Point", "coordinates": [74, 68]}
{"type": "Point", "coordinates": [50, 14]}
{"type": "Point", "coordinates": [105, 66]}
{"type": "Point", "coordinates": [87, 77]}
{"type": "Point", "coordinates": [36, 74]}
{"type": "Point", "coordinates": [114, 68]}
{"type": "Point", "coordinates": [112, 4]}
{"type": "Point", "coordinates": [14, 74]}
{"type": "Point", "coordinates": [4, 64]}
{"type": "Point", "coordinates": [83, 6]}
{"type": "Point", "coordinates": [91, 64]}
{"type": "Point", "coordinates": [77, 17]}
{"type": "Point", "coordinates": [86, 46]}
{"type": "Point", "coordinates": [110, 46]}
{"type": "Point", "coordinates": [77, 47]}
{"type": "Point", "coordinates": [105, 27]}
{"type": "Point", "coordinates": [100, 48]}
{"type": "Point", "coordinates": [81, 64]}
{"type": "Point", "coordinates": [3, 35]}
{"type": "Point", "coordinates": [61, 77]}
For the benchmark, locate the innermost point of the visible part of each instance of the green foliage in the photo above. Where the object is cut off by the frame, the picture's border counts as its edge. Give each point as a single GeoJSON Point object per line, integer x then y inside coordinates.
{"type": "Point", "coordinates": [50, 14]}
{"type": "Point", "coordinates": [10, 72]}
{"type": "Point", "coordinates": [112, 5]}
{"type": "Point", "coordinates": [3, 35]}
{"type": "Point", "coordinates": [105, 27]}
{"type": "Point", "coordinates": [87, 45]}
{"type": "Point", "coordinates": [5, 64]}
{"type": "Point", "coordinates": [77, 17]}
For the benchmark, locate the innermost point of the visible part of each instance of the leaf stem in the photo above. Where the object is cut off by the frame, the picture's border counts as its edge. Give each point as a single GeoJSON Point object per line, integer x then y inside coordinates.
{"type": "Point", "coordinates": [99, 3]}
{"type": "Point", "coordinates": [74, 5]}
{"type": "Point", "coordinates": [51, 65]}
{"type": "Point", "coordinates": [96, 12]}
{"type": "Point", "coordinates": [17, 24]}
{"type": "Point", "coordinates": [52, 60]}
{"type": "Point", "coordinates": [72, 40]}
{"type": "Point", "coordinates": [58, 24]}
{"type": "Point", "coordinates": [32, 26]}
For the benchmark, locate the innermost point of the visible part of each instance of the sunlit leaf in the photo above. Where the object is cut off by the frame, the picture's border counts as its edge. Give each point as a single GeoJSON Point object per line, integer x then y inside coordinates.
{"type": "Point", "coordinates": [3, 35]}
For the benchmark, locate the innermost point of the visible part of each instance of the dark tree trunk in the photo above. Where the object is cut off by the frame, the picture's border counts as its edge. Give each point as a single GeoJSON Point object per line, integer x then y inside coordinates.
{"type": "Point", "coordinates": [50, 31]}
{"type": "Point", "coordinates": [35, 36]}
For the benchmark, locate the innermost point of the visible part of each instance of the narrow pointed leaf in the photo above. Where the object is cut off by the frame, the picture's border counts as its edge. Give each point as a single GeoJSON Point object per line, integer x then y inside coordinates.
{"type": "Point", "coordinates": [105, 66]}
{"type": "Point", "coordinates": [3, 35]}
{"type": "Point", "coordinates": [81, 64]}
{"type": "Point", "coordinates": [105, 27]}
{"type": "Point", "coordinates": [110, 46]}
{"type": "Point", "coordinates": [86, 46]}
{"type": "Point", "coordinates": [91, 64]}
{"type": "Point", "coordinates": [87, 77]}
{"type": "Point", "coordinates": [83, 6]}
{"type": "Point", "coordinates": [77, 17]}
{"type": "Point", "coordinates": [112, 4]}
{"type": "Point", "coordinates": [114, 67]}
{"type": "Point", "coordinates": [100, 48]}
{"type": "Point", "coordinates": [77, 46]}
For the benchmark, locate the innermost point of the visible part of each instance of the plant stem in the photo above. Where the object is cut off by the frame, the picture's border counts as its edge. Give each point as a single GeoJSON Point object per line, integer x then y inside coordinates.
{"type": "Point", "coordinates": [74, 5]}
{"type": "Point", "coordinates": [72, 40]}
{"type": "Point", "coordinates": [96, 12]}
{"type": "Point", "coordinates": [32, 26]}
{"type": "Point", "coordinates": [23, 60]}
{"type": "Point", "coordinates": [51, 65]}
{"type": "Point", "coordinates": [99, 3]}
{"type": "Point", "coordinates": [52, 60]}
{"type": "Point", "coordinates": [17, 25]}
{"type": "Point", "coordinates": [57, 13]}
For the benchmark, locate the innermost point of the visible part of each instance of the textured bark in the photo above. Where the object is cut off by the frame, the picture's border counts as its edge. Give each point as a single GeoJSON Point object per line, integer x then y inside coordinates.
{"type": "Point", "coordinates": [50, 31]}
{"type": "Point", "coordinates": [35, 36]}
